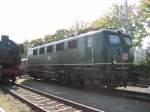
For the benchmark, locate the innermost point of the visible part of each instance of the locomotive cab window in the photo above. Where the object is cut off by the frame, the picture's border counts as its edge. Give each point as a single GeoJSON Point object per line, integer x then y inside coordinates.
{"type": "Point", "coordinates": [127, 41]}
{"type": "Point", "coordinates": [49, 49]}
{"type": "Point", "coordinates": [114, 40]}
{"type": "Point", "coordinates": [72, 44]}
{"type": "Point", "coordinates": [42, 50]}
{"type": "Point", "coordinates": [60, 47]}
{"type": "Point", "coordinates": [35, 52]}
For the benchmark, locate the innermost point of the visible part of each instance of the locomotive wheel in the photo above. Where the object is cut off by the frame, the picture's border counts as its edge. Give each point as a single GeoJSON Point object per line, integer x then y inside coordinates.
{"type": "Point", "coordinates": [88, 83]}
{"type": "Point", "coordinates": [113, 84]}
{"type": "Point", "coordinates": [64, 79]}
{"type": "Point", "coordinates": [35, 77]}
{"type": "Point", "coordinates": [77, 82]}
{"type": "Point", "coordinates": [109, 84]}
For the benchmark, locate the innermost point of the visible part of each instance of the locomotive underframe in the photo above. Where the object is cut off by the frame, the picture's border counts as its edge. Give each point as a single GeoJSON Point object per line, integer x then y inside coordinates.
{"type": "Point", "coordinates": [95, 74]}
{"type": "Point", "coordinates": [9, 72]}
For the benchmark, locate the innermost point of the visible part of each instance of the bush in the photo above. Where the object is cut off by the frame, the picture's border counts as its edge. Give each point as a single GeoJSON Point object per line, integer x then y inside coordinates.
{"type": "Point", "coordinates": [144, 69]}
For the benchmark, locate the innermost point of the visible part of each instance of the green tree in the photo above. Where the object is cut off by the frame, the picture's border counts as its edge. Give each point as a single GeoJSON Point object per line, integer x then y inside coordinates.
{"type": "Point", "coordinates": [115, 18]}
{"type": "Point", "coordinates": [102, 22]}
{"type": "Point", "coordinates": [78, 27]}
{"type": "Point", "coordinates": [145, 13]}
{"type": "Point", "coordinates": [49, 38]}
{"type": "Point", "coordinates": [138, 22]}
{"type": "Point", "coordinates": [61, 34]}
{"type": "Point", "coordinates": [36, 42]}
{"type": "Point", "coordinates": [26, 45]}
{"type": "Point", "coordinates": [112, 19]}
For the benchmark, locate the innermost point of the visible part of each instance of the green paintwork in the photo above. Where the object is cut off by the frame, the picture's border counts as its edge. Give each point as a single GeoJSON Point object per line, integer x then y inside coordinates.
{"type": "Point", "coordinates": [93, 47]}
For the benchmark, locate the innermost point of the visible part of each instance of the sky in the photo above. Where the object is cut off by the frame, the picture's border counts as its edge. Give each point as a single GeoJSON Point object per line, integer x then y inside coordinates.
{"type": "Point", "coordinates": [30, 19]}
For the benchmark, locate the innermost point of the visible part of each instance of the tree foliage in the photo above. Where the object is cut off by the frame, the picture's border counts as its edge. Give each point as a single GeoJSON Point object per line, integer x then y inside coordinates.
{"type": "Point", "coordinates": [62, 33]}
{"type": "Point", "coordinates": [49, 38]}
{"type": "Point", "coordinates": [78, 27]}
{"type": "Point", "coordinates": [115, 18]}
{"type": "Point", "coordinates": [112, 19]}
{"type": "Point", "coordinates": [26, 45]}
{"type": "Point", "coordinates": [36, 42]}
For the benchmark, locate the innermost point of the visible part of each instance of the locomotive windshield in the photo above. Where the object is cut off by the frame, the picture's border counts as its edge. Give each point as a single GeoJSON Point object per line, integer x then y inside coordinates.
{"type": "Point", "coordinates": [114, 39]}
{"type": "Point", "coordinates": [127, 41]}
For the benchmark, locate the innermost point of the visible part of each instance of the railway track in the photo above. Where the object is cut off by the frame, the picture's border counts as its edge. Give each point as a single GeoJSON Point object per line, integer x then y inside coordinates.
{"type": "Point", "coordinates": [43, 102]}
{"type": "Point", "coordinates": [119, 92]}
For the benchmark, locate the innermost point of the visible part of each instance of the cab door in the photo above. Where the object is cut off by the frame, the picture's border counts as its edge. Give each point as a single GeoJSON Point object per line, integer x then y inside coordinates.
{"type": "Point", "coordinates": [115, 48]}
{"type": "Point", "coordinates": [89, 50]}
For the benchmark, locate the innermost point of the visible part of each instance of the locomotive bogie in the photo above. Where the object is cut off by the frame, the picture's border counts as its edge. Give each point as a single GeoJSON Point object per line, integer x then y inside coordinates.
{"type": "Point", "coordinates": [95, 58]}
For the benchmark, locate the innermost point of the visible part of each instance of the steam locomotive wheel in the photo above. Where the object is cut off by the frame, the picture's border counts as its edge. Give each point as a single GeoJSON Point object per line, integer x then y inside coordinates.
{"type": "Point", "coordinates": [13, 79]}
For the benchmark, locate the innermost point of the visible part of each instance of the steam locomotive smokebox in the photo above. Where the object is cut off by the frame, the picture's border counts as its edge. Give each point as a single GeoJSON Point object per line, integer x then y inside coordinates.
{"type": "Point", "coordinates": [4, 38]}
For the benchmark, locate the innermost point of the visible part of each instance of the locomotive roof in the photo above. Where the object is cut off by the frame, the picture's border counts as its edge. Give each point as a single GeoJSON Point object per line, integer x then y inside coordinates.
{"type": "Point", "coordinates": [78, 36]}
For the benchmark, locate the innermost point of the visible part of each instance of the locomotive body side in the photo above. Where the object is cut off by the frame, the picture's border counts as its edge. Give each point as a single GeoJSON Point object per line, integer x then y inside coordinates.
{"type": "Point", "coordinates": [9, 59]}
{"type": "Point", "coordinates": [96, 58]}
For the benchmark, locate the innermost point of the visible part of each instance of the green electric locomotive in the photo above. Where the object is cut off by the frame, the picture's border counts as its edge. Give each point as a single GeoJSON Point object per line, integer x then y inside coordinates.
{"type": "Point", "coordinates": [96, 58]}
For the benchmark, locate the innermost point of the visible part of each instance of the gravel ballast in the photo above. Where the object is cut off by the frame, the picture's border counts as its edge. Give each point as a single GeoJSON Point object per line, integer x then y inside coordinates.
{"type": "Point", "coordinates": [10, 104]}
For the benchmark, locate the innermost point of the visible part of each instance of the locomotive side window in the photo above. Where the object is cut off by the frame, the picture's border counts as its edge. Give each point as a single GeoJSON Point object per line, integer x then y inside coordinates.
{"type": "Point", "coordinates": [49, 49]}
{"type": "Point", "coordinates": [127, 41]}
{"type": "Point", "coordinates": [35, 52]}
{"type": "Point", "coordinates": [114, 39]}
{"type": "Point", "coordinates": [42, 50]}
{"type": "Point", "coordinates": [72, 44]}
{"type": "Point", "coordinates": [60, 47]}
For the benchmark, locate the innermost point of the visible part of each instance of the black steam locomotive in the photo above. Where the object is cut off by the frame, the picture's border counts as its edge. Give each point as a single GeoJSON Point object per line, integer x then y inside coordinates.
{"type": "Point", "coordinates": [10, 59]}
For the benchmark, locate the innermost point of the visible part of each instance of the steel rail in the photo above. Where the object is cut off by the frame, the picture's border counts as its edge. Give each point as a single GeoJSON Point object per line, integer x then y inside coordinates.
{"type": "Point", "coordinates": [84, 108]}
{"type": "Point", "coordinates": [29, 103]}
